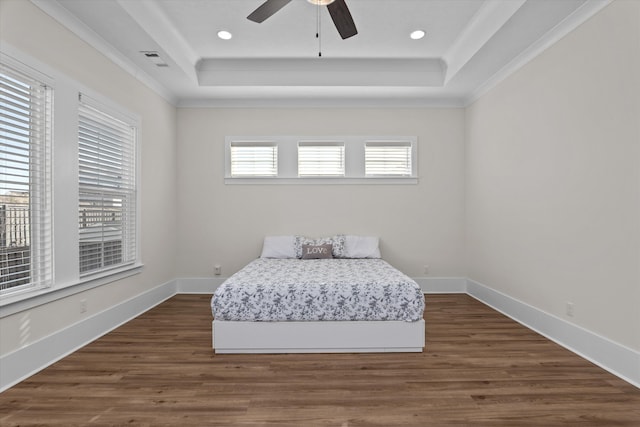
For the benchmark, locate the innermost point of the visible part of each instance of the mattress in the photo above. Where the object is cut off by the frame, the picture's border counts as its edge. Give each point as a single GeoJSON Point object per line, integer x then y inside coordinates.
{"type": "Point", "coordinates": [317, 290]}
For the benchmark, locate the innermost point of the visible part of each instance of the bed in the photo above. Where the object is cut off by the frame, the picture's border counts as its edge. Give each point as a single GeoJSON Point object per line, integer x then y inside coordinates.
{"type": "Point", "coordinates": [289, 303]}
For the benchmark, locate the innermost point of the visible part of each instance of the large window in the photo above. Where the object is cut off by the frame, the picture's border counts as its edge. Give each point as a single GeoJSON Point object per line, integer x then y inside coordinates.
{"type": "Point", "coordinates": [107, 189]}
{"type": "Point", "coordinates": [350, 159]}
{"type": "Point", "coordinates": [25, 182]}
{"type": "Point", "coordinates": [68, 192]}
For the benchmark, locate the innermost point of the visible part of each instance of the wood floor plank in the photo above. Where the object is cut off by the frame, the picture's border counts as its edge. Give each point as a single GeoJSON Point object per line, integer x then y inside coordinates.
{"type": "Point", "coordinates": [479, 368]}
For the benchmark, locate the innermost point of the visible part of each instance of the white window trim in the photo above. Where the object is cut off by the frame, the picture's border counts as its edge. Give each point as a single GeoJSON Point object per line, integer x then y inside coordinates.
{"type": "Point", "coordinates": [392, 144]}
{"type": "Point", "coordinates": [42, 244]}
{"type": "Point", "coordinates": [250, 144]}
{"type": "Point", "coordinates": [66, 279]}
{"type": "Point", "coordinates": [131, 254]}
{"type": "Point", "coordinates": [354, 160]}
{"type": "Point", "coordinates": [319, 144]}
{"type": "Point", "coordinates": [27, 300]}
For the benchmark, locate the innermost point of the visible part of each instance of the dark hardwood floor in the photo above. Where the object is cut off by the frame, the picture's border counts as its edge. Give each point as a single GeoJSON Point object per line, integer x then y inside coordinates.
{"type": "Point", "coordinates": [479, 368]}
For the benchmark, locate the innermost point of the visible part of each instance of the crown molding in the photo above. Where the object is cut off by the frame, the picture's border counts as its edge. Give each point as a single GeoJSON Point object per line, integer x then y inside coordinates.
{"type": "Point", "coordinates": [54, 9]}
{"type": "Point", "coordinates": [152, 19]}
{"type": "Point", "coordinates": [573, 21]}
{"type": "Point", "coordinates": [60, 14]}
{"type": "Point", "coordinates": [491, 17]}
{"type": "Point", "coordinates": [314, 72]}
{"type": "Point", "coordinates": [331, 102]}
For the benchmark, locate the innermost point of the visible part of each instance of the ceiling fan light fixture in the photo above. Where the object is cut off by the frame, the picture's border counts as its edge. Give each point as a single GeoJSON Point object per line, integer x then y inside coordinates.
{"type": "Point", "coordinates": [417, 34]}
{"type": "Point", "coordinates": [337, 9]}
{"type": "Point", "coordinates": [321, 2]}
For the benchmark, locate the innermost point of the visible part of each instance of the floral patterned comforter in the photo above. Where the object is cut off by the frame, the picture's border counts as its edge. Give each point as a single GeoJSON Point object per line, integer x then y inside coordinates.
{"type": "Point", "coordinates": [319, 289]}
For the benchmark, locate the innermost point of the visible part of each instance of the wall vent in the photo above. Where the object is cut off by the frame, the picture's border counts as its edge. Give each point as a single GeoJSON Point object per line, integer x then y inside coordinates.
{"type": "Point", "coordinates": [155, 58]}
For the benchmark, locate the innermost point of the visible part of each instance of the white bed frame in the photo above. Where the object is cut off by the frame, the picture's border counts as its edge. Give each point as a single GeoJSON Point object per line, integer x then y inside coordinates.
{"type": "Point", "coordinates": [318, 337]}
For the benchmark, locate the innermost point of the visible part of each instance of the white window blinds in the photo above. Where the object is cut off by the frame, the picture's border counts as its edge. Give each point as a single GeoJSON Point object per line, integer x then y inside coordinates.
{"type": "Point", "coordinates": [321, 159]}
{"type": "Point", "coordinates": [107, 189]}
{"type": "Point", "coordinates": [388, 158]}
{"type": "Point", "coordinates": [254, 159]}
{"type": "Point", "coordinates": [25, 182]}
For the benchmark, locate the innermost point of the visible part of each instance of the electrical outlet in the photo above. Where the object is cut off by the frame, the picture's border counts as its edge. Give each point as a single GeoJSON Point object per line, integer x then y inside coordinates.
{"type": "Point", "coordinates": [217, 270]}
{"type": "Point", "coordinates": [569, 309]}
{"type": "Point", "coordinates": [426, 269]}
{"type": "Point", "coordinates": [83, 306]}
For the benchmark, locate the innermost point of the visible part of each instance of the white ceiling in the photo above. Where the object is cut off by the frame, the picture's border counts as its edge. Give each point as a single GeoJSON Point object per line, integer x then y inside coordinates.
{"type": "Point", "coordinates": [469, 45]}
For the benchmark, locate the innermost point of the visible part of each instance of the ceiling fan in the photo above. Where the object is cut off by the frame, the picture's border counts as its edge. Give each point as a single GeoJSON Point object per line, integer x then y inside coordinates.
{"type": "Point", "coordinates": [337, 9]}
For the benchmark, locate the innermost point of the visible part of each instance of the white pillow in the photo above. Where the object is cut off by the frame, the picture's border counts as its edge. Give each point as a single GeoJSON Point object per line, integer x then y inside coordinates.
{"type": "Point", "coordinates": [361, 247]}
{"type": "Point", "coordinates": [279, 247]}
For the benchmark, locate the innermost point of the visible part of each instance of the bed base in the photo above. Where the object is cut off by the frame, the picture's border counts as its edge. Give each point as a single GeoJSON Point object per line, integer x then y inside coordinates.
{"type": "Point", "coordinates": [318, 337]}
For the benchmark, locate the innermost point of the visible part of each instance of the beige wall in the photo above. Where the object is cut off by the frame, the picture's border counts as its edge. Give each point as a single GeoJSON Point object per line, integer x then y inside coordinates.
{"type": "Point", "coordinates": [553, 179]}
{"type": "Point", "coordinates": [548, 180]}
{"type": "Point", "coordinates": [26, 28]}
{"type": "Point", "coordinates": [225, 224]}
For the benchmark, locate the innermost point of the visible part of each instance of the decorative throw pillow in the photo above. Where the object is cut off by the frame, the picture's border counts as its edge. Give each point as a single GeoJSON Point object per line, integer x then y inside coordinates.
{"type": "Point", "coordinates": [302, 240]}
{"type": "Point", "coordinates": [316, 251]}
{"type": "Point", "coordinates": [338, 249]}
{"type": "Point", "coordinates": [337, 243]}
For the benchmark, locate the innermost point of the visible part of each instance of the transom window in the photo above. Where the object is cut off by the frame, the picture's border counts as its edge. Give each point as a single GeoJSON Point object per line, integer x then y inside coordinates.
{"type": "Point", "coordinates": [320, 159]}
{"type": "Point", "coordinates": [294, 159]}
{"type": "Point", "coordinates": [388, 158]}
{"type": "Point", "coordinates": [254, 159]}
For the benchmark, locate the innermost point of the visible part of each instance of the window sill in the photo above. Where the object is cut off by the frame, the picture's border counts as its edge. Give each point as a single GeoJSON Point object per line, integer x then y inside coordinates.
{"type": "Point", "coordinates": [323, 181]}
{"type": "Point", "coordinates": [12, 304]}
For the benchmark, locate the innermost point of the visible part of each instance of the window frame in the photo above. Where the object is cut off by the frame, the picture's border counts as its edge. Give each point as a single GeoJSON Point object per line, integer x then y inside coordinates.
{"type": "Point", "coordinates": [392, 143]}
{"type": "Point", "coordinates": [127, 187]}
{"type": "Point", "coordinates": [40, 210]}
{"type": "Point", "coordinates": [251, 144]}
{"type": "Point", "coordinates": [354, 160]}
{"type": "Point", "coordinates": [66, 280]}
{"type": "Point", "coordinates": [315, 148]}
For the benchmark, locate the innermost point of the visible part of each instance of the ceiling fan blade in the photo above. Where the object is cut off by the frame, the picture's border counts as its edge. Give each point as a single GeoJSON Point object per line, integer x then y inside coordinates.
{"type": "Point", "coordinates": [342, 19]}
{"type": "Point", "coordinates": [267, 9]}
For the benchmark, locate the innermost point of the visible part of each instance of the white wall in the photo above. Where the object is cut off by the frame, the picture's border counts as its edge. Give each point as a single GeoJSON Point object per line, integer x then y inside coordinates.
{"type": "Point", "coordinates": [27, 29]}
{"type": "Point", "coordinates": [549, 161]}
{"type": "Point", "coordinates": [553, 179]}
{"type": "Point", "coordinates": [225, 224]}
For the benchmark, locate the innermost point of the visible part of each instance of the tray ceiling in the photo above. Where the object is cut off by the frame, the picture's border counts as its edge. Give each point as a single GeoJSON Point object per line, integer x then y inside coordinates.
{"type": "Point", "coordinates": [172, 45]}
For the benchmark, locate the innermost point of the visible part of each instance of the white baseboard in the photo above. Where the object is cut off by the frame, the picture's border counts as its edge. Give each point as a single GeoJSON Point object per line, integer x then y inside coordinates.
{"type": "Point", "coordinates": [611, 356]}
{"type": "Point", "coordinates": [199, 285]}
{"type": "Point", "coordinates": [442, 285]}
{"type": "Point", "coordinates": [22, 363]}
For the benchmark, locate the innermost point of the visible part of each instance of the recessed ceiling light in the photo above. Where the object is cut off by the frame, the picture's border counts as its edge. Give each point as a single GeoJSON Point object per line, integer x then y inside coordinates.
{"type": "Point", "coordinates": [224, 35]}
{"type": "Point", "coordinates": [321, 2]}
{"type": "Point", "coordinates": [417, 34]}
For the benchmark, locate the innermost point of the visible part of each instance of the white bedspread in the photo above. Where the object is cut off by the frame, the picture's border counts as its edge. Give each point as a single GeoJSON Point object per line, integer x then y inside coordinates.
{"type": "Point", "coordinates": [322, 289]}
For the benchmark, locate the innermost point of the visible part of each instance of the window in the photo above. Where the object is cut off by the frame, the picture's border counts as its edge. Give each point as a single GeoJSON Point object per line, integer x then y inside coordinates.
{"type": "Point", "coordinates": [107, 189]}
{"type": "Point", "coordinates": [350, 159]}
{"type": "Point", "coordinates": [25, 182]}
{"type": "Point", "coordinates": [254, 159]}
{"type": "Point", "coordinates": [388, 158]}
{"type": "Point", "coordinates": [320, 159]}
{"type": "Point", "coordinates": [57, 151]}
